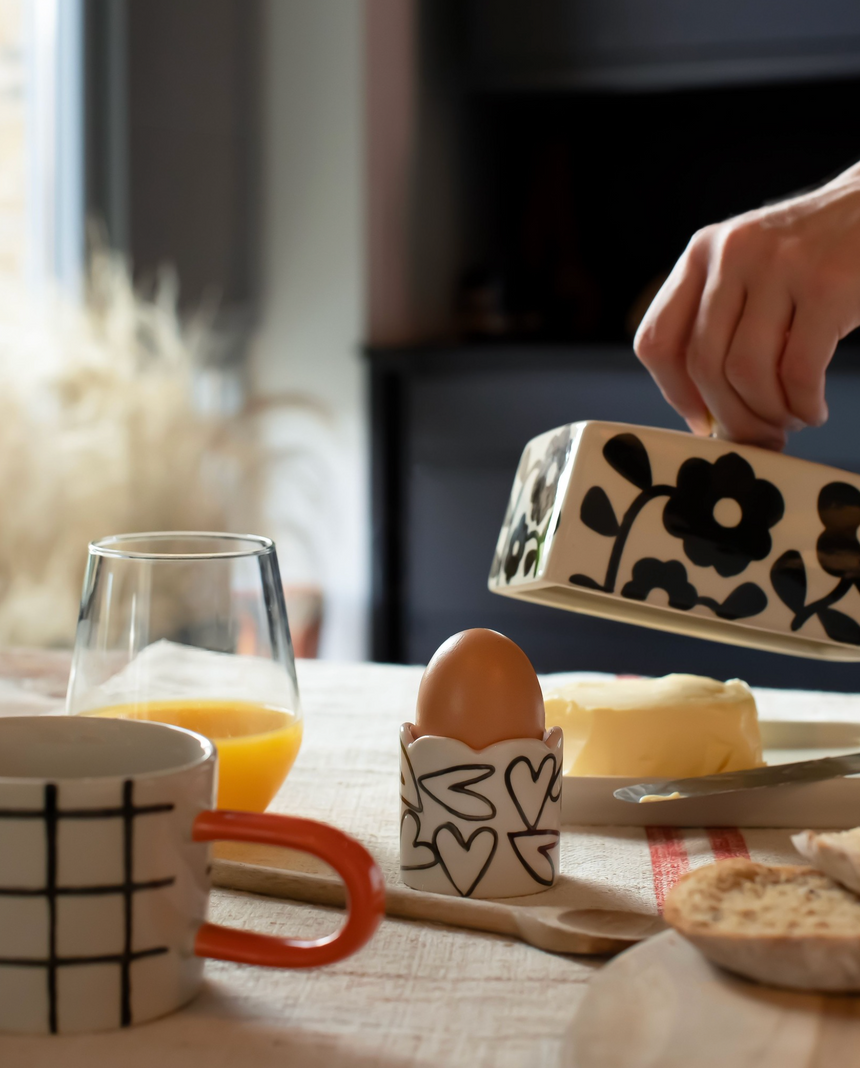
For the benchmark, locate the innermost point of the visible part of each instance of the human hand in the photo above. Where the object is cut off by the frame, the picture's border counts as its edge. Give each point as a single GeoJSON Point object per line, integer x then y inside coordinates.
{"type": "Point", "coordinates": [747, 322]}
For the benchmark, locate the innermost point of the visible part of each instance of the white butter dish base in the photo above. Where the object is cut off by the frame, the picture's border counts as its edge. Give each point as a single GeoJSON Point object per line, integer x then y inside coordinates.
{"type": "Point", "coordinates": [480, 823]}
{"type": "Point", "coordinates": [587, 800]}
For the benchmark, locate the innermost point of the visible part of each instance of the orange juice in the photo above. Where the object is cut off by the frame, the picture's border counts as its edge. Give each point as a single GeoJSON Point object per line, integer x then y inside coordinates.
{"type": "Point", "coordinates": [256, 744]}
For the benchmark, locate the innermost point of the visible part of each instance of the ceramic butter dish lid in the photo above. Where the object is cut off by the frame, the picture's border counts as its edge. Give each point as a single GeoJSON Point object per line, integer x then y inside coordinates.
{"type": "Point", "coordinates": [686, 534]}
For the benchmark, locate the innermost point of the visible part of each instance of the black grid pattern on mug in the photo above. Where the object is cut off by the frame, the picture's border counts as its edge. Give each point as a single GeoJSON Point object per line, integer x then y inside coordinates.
{"type": "Point", "coordinates": [128, 812]}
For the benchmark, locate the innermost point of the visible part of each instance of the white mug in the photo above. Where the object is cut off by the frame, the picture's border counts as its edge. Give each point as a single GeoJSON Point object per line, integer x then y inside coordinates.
{"type": "Point", "coordinates": [104, 874]}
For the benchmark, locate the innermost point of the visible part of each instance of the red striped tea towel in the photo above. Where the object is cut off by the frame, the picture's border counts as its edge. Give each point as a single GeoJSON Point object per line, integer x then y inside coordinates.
{"type": "Point", "coordinates": [634, 868]}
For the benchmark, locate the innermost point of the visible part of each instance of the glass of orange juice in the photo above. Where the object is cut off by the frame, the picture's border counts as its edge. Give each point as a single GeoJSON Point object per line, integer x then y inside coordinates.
{"type": "Point", "coordinates": [191, 629]}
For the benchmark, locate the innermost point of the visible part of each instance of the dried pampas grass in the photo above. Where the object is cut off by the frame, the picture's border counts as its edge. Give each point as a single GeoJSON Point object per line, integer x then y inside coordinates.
{"type": "Point", "coordinates": [99, 435]}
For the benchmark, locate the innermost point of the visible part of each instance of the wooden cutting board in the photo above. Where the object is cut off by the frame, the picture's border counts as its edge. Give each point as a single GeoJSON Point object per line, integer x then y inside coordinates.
{"type": "Point", "coordinates": [663, 1005]}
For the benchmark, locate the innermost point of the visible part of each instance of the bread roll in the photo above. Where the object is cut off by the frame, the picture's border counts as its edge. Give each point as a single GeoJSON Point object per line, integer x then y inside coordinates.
{"type": "Point", "coordinates": [786, 926]}
{"type": "Point", "coordinates": [836, 854]}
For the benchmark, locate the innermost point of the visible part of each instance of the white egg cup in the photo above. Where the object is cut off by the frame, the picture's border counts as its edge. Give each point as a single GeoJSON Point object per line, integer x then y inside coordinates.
{"type": "Point", "coordinates": [480, 823]}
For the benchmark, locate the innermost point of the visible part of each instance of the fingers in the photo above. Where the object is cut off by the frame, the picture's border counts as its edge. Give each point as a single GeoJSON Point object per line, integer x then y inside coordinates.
{"type": "Point", "coordinates": [723, 312]}
{"type": "Point", "coordinates": [662, 338]}
{"type": "Point", "coordinates": [808, 352]}
{"type": "Point", "coordinates": [725, 336]}
{"type": "Point", "coordinates": [721, 307]}
{"type": "Point", "coordinates": [752, 362]}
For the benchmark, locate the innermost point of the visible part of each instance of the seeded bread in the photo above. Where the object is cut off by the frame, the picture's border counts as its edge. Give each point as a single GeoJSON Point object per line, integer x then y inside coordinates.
{"type": "Point", "coordinates": [836, 854]}
{"type": "Point", "coordinates": [786, 925]}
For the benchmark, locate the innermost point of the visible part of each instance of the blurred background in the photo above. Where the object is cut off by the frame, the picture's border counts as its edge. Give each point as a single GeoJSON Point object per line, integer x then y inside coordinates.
{"type": "Point", "coordinates": [320, 268]}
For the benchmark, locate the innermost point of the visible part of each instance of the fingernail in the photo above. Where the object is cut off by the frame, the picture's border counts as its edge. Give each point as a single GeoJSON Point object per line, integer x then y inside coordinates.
{"type": "Point", "coordinates": [820, 417]}
{"type": "Point", "coordinates": [700, 425]}
{"type": "Point", "coordinates": [794, 424]}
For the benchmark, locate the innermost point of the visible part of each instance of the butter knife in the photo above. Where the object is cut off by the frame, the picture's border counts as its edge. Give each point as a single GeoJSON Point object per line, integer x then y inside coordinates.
{"type": "Point", "coordinates": [728, 782]}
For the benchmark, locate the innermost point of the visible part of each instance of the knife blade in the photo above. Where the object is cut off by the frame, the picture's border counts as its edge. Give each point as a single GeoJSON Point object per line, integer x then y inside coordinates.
{"type": "Point", "coordinates": [753, 779]}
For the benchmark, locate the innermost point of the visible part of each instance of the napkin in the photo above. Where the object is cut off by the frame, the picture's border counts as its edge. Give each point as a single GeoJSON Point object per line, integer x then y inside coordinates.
{"type": "Point", "coordinates": [169, 670]}
{"type": "Point", "coordinates": [15, 700]}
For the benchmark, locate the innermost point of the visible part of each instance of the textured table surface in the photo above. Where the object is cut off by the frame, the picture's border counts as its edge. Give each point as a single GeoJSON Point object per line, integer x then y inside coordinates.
{"type": "Point", "coordinates": [417, 994]}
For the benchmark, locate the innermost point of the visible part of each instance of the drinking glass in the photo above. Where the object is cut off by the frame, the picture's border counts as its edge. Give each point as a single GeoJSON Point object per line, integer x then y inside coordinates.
{"type": "Point", "coordinates": [190, 628]}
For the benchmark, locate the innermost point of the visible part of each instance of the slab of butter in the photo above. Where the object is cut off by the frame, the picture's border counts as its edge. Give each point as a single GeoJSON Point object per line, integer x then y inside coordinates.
{"type": "Point", "coordinates": [669, 728]}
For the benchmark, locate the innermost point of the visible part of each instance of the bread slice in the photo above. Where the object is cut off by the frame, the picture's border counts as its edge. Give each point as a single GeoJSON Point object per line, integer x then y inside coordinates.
{"type": "Point", "coordinates": [836, 854]}
{"type": "Point", "coordinates": [786, 925]}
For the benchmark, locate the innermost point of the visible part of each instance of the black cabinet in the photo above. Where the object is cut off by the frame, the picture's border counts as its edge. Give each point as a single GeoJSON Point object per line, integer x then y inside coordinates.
{"type": "Point", "coordinates": [659, 44]}
{"type": "Point", "coordinates": [448, 429]}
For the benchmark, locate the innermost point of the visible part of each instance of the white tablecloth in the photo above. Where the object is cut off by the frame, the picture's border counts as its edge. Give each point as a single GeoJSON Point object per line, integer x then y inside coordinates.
{"type": "Point", "coordinates": [416, 995]}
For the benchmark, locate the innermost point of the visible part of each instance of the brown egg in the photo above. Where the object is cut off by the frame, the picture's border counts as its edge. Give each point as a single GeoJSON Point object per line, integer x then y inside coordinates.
{"type": "Point", "coordinates": [481, 688]}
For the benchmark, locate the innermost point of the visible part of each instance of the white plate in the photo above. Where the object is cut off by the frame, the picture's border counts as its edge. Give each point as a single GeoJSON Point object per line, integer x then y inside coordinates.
{"type": "Point", "coordinates": [662, 1003]}
{"type": "Point", "coordinates": [587, 800]}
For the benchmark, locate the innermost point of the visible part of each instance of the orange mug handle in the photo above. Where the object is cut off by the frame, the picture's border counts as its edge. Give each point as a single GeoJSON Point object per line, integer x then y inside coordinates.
{"type": "Point", "coordinates": [365, 889]}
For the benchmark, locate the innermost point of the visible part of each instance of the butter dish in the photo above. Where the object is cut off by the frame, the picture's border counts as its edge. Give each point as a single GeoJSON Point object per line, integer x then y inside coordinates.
{"type": "Point", "coordinates": [588, 800]}
{"type": "Point", "coordinates": [686, 534]}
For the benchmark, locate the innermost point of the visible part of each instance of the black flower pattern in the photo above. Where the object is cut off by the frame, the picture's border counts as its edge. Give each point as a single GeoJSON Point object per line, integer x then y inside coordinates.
{"type": "Point", "coordinates": [526, 526]}
{"type": "Point", "coordinates": [546, 483]}
{"type": "Point", "coordinates": [671, 576]}
{"type": "Point", "coordinates": [516, 548]}
{"type": "Point", "coordinates": [838, 548]}
{"type": "Point", "coordinates": [838, 551]}
{"type": "Point", "coordinates": [711, 538]}
{"type": "Point", "coordinates": [689, 513]}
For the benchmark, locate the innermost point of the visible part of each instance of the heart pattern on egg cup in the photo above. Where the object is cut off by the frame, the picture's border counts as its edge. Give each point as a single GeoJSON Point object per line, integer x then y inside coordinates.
{"type": "Point", "coordinates": [456, 781]}
{"type": "Point", "coordinates": [464, 860]}
{"type": "Point", "coordinates": [481, 823]}
{"type": "Point", "coordinates": [535, 850]}
{"type": "Point", "coordinates": [410, 795]}
{"type": "Point", "coordinates": [532, 787]}
{"type": "Point", "coordinates": [414, 855]}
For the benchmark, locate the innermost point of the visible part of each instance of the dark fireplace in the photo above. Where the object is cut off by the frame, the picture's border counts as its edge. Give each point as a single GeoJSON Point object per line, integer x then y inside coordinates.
{"type": "Point", "coordinates": [562, 156]}
{"type": "Point", "coordinates": [579, 203]}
